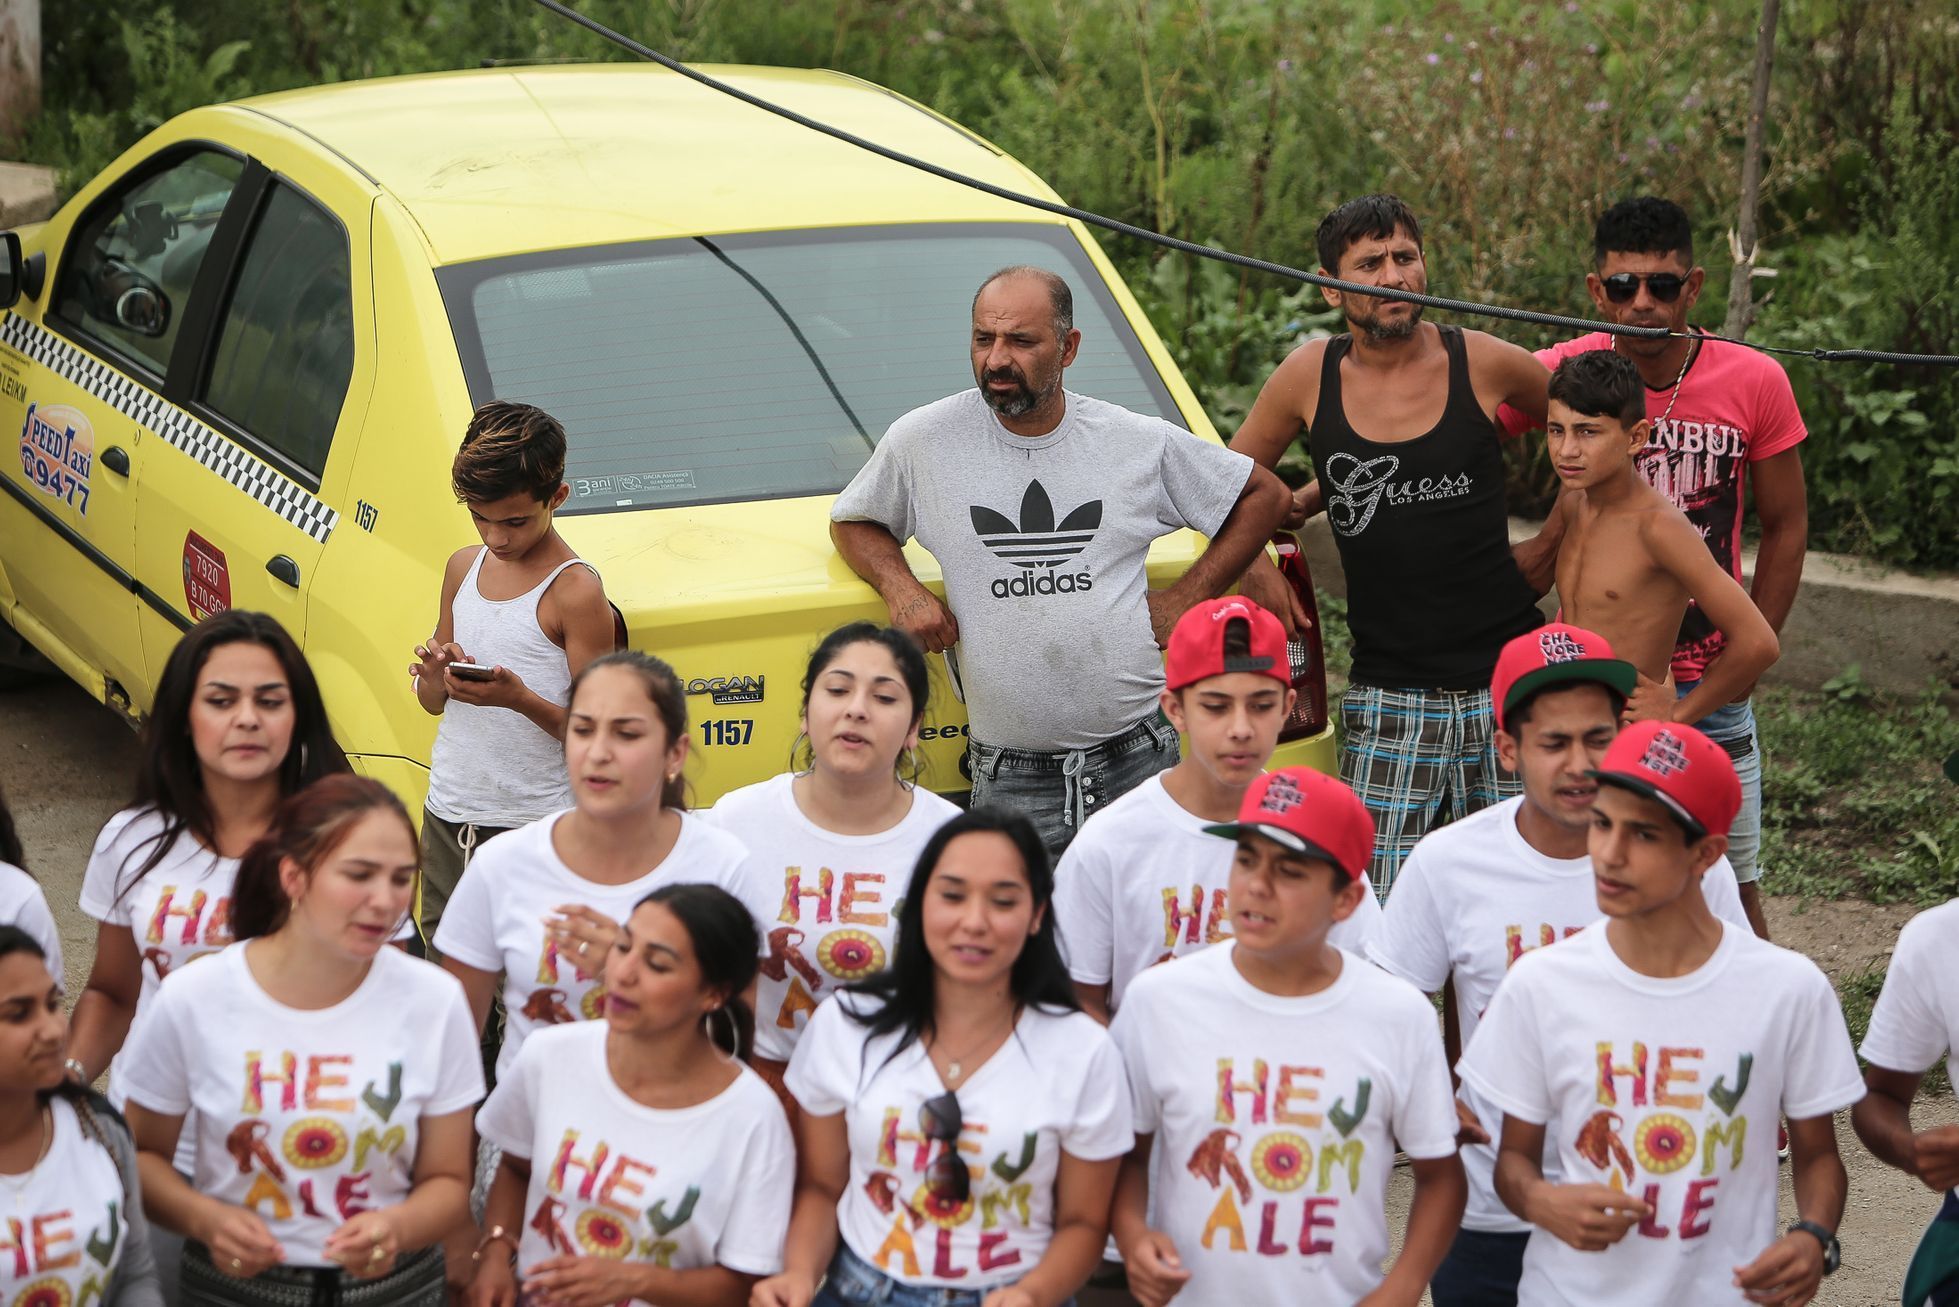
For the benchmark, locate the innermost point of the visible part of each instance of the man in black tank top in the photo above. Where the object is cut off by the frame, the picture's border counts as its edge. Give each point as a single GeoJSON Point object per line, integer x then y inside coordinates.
{"type": "Point", "coordinates": [1400, 420]}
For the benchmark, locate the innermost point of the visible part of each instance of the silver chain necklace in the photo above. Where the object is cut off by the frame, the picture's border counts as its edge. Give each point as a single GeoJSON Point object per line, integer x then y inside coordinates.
{"type": "Point", "coordinates": [1693, 349]}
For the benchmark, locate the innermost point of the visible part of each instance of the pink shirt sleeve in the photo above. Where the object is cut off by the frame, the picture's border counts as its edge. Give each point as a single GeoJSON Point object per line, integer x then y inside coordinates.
{"type": "Point", "coordinates": [1778, 423]}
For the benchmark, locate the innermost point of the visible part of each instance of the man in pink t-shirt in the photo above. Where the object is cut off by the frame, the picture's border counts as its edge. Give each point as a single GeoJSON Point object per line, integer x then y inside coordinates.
{"type": "Point", "coordinates": [1722, 415]}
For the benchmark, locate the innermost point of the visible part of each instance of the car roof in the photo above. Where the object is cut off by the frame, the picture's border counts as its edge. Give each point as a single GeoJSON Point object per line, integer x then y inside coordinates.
{"type": "Point", "coordinates": [511, 160]}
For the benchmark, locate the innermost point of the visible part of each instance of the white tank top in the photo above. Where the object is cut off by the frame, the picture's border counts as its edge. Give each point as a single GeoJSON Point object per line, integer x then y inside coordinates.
{"type": "Point", "coordinates": [493, 766]}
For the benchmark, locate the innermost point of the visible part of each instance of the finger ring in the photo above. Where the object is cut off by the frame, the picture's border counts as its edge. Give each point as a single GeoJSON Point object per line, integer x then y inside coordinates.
{"type": "Point", "coordinates": [584, 947]}
{"type": "Point", "coordinates": [377, 1254]}
{"type": "Point", "coordinates": [237, 1265]}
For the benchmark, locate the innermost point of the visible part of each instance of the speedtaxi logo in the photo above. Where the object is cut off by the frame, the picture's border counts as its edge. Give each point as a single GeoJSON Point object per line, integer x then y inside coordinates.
{"type": "Point", "coordinates": [57, 453]}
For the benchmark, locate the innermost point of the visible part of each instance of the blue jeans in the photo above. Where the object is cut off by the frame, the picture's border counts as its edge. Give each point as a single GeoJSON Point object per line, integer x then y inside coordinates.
{"type": "Point", "coordinates": [1060, 791]}
{"type": "Point", "coordinates": [854, 1282]}
{"type": "Point", "coordinates": [1733, 728]}
{"type": "Point", "coordinates": [1481, 1270]}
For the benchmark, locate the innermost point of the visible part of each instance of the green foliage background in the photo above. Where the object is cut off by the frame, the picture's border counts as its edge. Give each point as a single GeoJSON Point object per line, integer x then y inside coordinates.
{"type": "Point", "coordinates": [1508, 124]}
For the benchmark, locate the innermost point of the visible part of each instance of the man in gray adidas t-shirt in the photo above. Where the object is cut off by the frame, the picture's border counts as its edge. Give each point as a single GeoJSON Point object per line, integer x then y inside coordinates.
{"type": "Point", "coordinates": [1040, 506]}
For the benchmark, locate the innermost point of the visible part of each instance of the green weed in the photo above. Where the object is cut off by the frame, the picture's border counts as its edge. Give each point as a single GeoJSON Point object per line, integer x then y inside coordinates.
{"type": "Point", "coordinates": [1853, 801]}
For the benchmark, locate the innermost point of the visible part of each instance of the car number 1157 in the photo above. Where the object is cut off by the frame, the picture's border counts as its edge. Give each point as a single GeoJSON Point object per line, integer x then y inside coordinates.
{"type": "Point", "coordinates": [730, 732]}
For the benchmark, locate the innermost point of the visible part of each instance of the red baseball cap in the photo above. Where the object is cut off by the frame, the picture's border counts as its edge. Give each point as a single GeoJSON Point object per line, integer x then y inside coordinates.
{"type": "Point", "coordinates": [1308, 812]}
{"type": "Point", "coordinates": [1551, 654]}
{"type": "Point", "coordinates": [1690, 775]}
{"type": "Point", "coordinates": [1197, 644]}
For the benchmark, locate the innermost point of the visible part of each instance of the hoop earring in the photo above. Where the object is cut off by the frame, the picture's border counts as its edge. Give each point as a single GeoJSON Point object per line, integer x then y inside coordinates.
{"type": "Point", "coordinates": [795, 747]}
{"type": "Point", "coordinates": [912, 766]}
{"type": "Point", "coordinates": [302, 758]}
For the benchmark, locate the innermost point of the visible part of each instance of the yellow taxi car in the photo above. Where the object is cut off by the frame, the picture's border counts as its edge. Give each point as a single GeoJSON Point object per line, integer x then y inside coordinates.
{"type": "Point", "coordinates": [240, 360]}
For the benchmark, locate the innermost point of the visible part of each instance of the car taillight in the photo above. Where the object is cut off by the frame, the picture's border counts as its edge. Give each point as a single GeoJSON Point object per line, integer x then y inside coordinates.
{"type": "Point", "coordinates": [1303, 650]}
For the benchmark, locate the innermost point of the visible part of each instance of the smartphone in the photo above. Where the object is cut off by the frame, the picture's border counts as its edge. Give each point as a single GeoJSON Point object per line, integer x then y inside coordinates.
{"type": "Point", "coordinates": [473, 672]}
{"type": "Point", "coordinates": [952, 675]}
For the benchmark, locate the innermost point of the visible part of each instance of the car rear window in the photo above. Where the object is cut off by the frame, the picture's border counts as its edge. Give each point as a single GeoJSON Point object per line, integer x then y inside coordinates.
{"type": "Point", "coordinates": [705, 370]}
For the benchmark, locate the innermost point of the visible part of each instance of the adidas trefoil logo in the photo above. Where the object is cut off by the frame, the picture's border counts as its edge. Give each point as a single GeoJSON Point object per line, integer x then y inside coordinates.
{"type": "Point", "coordinates": [1037, 544]}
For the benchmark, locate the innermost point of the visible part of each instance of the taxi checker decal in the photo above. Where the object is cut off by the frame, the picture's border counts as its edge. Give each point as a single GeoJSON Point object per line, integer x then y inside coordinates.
{"type": "Point", "coordinates": [57, 452]}
{"type": "Point", "coordinates": [286, 498]}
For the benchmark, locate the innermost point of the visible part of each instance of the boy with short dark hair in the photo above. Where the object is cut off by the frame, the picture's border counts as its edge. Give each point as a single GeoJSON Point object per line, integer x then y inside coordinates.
{"type": "Point", "coordinates": [1273, 1078]}
{"type": "Point", "coordinates": [1661, 1046]}
{"type": "Point", "coordinates": [1631, 563]}
{"type": "Point", "coordinates": [1143, 883]}
{"type": "Point", "coordinates": [1480, 893]}
{"type": "Point", "coordinates": [519, 617]}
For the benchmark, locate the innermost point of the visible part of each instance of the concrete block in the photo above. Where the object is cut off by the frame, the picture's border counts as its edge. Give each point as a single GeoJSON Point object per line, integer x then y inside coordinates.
{"type": "Point", "coordinates": [27, 194]}
{"type": "Point", "coordinates": [1901, 630]}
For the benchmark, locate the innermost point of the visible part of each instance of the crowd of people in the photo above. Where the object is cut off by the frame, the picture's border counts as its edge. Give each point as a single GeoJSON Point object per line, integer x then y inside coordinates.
{"type": "Point", "coordinates": [1147, 1015]}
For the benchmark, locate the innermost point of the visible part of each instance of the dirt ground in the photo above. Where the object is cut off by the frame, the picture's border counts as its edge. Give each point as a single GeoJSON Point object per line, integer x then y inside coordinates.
{"type": "Point", "coordinates": [67, 764]}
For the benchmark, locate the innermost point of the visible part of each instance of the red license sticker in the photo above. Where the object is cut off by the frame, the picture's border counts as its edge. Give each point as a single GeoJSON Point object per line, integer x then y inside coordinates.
{"type": "Point", "coordinates": [207, 582]}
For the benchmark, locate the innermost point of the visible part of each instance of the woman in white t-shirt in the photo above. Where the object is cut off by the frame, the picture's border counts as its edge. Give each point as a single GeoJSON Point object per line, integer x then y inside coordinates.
{"type": "Point", "coordinates": [832, 845]}
{"type": "Point", "coordinates": [537, 906]}
{"type": "Point", "coordinates": [67, 1164]}
{"type": "Point", "coordinates": [640, 1160]}
{"type": "Point", "coordinates": [21, 902]}
{"type": "Point", "coordinates": [962, 1119]}
{"type": "Point", "coordinates": [332, 1076]}
{"type": "Point", "coordinates": [237, 725]}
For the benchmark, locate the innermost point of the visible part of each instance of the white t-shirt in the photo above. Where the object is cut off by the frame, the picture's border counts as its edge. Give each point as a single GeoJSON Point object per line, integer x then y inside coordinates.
{"type": "Point", "coordinates": [1471, 899]}
{"type": "Point", "coordinates": [64, 1232]}
{"type": "Point", "coordinates": [827, 904]}
{"type": "Point", "coordinates": [22, 904]}
{"type": "Point", "coordinates": [1055, 1086]}
{"type": "Point", "coordinates": [495, 919]}
{"type": "Point", "coordinates": [179, 911]}
{"type": "Point", "coordinates": [682, 1188]}
{"type": "Point", "coordinates": [307, 1117]}
{"type": "Point", "coordinates": [1669, 1089]}
{"type": "Point", "coordinates": [1276, 1122]}
{"type": "Point", "coordinates": [1042, 541]}
{"type": "Point", "coordinates": [1916, 1020]}
{"type": "Point", "coordinates": [1142, 883]}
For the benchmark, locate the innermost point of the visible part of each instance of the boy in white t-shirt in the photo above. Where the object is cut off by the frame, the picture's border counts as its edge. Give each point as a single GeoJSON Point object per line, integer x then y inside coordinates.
{"type": "Point", "coordinates": [1656, 1050]}
{"type": "Point", "coordinates": [1915, 1024]}
{"type": "Point", "coordinates": [1272, 1079]}
{"type": "Point", "coordinates": [1143, 883]}
{"type": "Point", "coordinates": [1478, 894]}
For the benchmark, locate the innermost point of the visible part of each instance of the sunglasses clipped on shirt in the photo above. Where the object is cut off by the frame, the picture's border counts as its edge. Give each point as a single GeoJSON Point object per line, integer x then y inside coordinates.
{"type": "Point", "coordinates": [1665, 287]}
{"type": "Point", "coordinates": [939, 1120]}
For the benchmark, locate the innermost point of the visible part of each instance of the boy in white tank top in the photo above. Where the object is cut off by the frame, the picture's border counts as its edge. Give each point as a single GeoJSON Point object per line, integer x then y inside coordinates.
{"type": "Point", "coordinates": [523, 608]}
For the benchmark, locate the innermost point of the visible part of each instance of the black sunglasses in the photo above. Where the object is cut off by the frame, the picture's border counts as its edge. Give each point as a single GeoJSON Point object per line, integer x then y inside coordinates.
{"type": "Point", "coordinates": [940, 1120]}
{"type": "Point", "coordinates": [1620, 287]}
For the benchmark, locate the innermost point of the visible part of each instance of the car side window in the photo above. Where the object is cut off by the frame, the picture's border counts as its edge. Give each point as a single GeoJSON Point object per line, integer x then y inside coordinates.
{"type": "Point", "coordinates": [135, 256]}
{"type": "Point", "coordinates": [285, 347]}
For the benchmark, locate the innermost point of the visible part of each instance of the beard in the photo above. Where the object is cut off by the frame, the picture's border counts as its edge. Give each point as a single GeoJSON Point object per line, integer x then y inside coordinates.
{"type": "Point", "coordinates": [1021, 400]}
{"type": "Point", "coordinates": [1379, 328]}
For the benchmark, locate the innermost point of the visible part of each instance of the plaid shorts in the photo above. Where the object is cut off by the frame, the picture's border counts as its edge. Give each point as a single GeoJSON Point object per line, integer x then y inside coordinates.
{"type": "Point", "coordinates": [1418, 759]}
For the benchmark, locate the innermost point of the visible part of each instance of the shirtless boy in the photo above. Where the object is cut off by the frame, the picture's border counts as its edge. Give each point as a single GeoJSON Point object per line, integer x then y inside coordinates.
{"type": "Point", "coordinates": [1631, 562]}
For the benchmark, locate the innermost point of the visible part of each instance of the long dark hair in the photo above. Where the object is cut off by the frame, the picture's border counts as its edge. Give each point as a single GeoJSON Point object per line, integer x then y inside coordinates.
{"type": "Point", "coordinates": [309, 826]}
{"type": "Point", "coordinates": [669, 696]}
{"type": "Point", "coordinates": [901, 995]}
{"type": "Point", "coordinates": [904, 651]}
{"type": "Point", "coordinates": [10, 849]}
{"type": "Point", "coordinates": [169, 778]}
{"type": "Point", "coordinates": [91, 1109]}
{"type": "Point", "coordinates": [726, 945]}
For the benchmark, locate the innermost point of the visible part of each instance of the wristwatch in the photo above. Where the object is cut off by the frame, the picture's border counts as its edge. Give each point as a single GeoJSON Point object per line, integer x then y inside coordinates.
{"type": "Point", "coordinates": [1832, 1251]}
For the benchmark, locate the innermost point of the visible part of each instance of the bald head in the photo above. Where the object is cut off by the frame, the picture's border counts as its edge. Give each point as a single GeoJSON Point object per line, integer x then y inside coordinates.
{"type": "Point", "coordinates": [1061, 300]}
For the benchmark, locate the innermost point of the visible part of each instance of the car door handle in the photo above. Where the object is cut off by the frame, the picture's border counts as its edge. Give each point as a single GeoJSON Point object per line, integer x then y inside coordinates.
{"type": "Point", "coordinates": [116, 459]}
{"type": "Point", "coordinates": [285, 570]}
